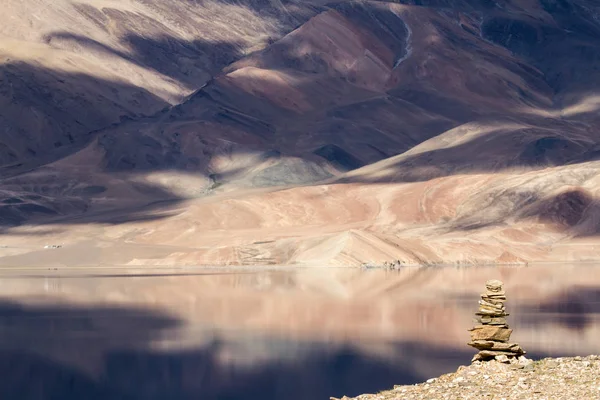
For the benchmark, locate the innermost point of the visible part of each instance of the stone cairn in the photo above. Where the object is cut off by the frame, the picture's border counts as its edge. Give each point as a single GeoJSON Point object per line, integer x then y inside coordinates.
{"type": "Point", "coordinates": [491, 337]}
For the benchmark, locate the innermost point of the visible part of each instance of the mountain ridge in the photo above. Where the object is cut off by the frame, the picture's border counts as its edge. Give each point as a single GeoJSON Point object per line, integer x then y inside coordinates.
{"type": "Point", "coordinates": [358, 104]}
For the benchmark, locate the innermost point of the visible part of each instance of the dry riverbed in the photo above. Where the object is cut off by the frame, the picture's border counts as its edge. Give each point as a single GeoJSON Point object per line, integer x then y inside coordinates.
{"type": "Point", "coordinates": [550, 378]}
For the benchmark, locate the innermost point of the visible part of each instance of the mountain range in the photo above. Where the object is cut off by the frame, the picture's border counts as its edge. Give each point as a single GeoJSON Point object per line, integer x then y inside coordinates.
{"type": "Point", "coordinates": [255, 132]}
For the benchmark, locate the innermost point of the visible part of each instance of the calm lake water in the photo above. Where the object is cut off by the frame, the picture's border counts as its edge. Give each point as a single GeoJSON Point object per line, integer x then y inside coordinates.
{"type": "Point", "coordinates": [280, 334]}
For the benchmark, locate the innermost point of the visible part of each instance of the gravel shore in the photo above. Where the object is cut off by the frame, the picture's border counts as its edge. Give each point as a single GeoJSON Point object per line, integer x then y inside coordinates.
{"type": "Point", "coordinates": [549, 379]}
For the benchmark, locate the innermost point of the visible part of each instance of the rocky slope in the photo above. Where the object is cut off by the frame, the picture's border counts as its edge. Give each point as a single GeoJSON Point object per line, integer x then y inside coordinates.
{"type": "Point", "coordinates": [307, 133]}
{"type": "Point", "coordinates": [561, 378]}
{"type": "Point", "coordinates": [69, 68]}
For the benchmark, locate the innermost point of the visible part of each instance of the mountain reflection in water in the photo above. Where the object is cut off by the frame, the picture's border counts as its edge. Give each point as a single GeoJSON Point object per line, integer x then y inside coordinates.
{"type": "Point", "coordinates": [289, 334]}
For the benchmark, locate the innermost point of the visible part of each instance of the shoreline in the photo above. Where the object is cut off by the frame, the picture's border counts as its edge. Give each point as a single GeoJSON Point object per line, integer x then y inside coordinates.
{"type": "Point", "coordinates": [548, 378]}
{"type": "Point", "coordinates": [184, 270]}
{"type": "Point", "coordinates": [284, 267]}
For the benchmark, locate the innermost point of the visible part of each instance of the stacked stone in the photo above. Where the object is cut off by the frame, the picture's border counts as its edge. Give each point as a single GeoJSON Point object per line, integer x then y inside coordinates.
{"type": "Point", "coordinates": [491, 337]}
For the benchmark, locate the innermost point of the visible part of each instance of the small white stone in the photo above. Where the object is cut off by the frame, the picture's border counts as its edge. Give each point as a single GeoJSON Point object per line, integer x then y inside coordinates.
{"type": "Point", "coordinates": [431, 380]}
{"type": "Point", "coordinates": [502, 358]}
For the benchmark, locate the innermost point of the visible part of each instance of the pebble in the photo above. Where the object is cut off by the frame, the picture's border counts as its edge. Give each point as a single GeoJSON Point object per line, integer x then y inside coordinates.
{"type": "Point", "coordinates": [528, 367]}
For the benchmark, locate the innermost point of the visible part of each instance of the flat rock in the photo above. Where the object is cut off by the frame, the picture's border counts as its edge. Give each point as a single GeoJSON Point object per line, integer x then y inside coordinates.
{"type": "Point", "coordinates": [498, 310]}
{"type": "Point", "coordinates": [500, 346]}
{"type": "Point", "coordinates": [491, 313]}
{"type": "Point", "coordinates": [494, 295]}
{"type": "Point", "coordinates": [490, 332]}
{"type": "Point", "coordinates": [489, 320]}
{"type": "Point", "coordinates": [491, 354]}
{"type": "Point", "coordinates": [493, 284]}
{"type": "Point", "coordinates": [492, 302]}
{"type": "Point", "coordinates": [493, 299]}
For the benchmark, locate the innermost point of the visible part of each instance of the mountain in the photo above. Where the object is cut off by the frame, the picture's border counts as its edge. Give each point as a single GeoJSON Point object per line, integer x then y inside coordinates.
{"type": "Point", "coordinates": [301, 132]}
{"type": "Point", "coordinates": [70, 68]}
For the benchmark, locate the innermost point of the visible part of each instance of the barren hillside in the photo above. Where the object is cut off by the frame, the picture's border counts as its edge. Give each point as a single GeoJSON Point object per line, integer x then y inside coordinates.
{"type": "Point", "coordinates": [303, 133]}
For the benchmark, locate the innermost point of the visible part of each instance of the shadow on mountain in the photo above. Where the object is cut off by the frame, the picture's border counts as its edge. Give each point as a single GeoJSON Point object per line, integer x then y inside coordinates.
{"type": "Point", "coordinates": [190, 63]}
{"type": "Point", "coordinates": [44, 109]}
{"type": "Point", "coordinates": [32, 214]}
{"type": "Point", "coordinates": [574, 212]}
{"type": "Point", "coordinates": [49, 114]}
{"type": "Point", "coordinates": [53, 114]}
{"type": "Point", "coordinates": [68, 352]}
{"type": "Point", "coordinates": [65, 111]}
{"type": "Point", "coordinates": [498, 148]}
{"type": "Point", "coordinates": [571, 41]}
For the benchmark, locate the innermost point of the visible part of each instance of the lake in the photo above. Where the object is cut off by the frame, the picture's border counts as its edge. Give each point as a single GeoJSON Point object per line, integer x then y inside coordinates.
{"type": "Point", "coordinates": [293, 334]}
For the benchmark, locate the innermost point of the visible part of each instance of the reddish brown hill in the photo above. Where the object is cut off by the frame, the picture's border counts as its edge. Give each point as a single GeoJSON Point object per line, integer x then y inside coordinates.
{"type": "Point", "coordinates": [440, 132]}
